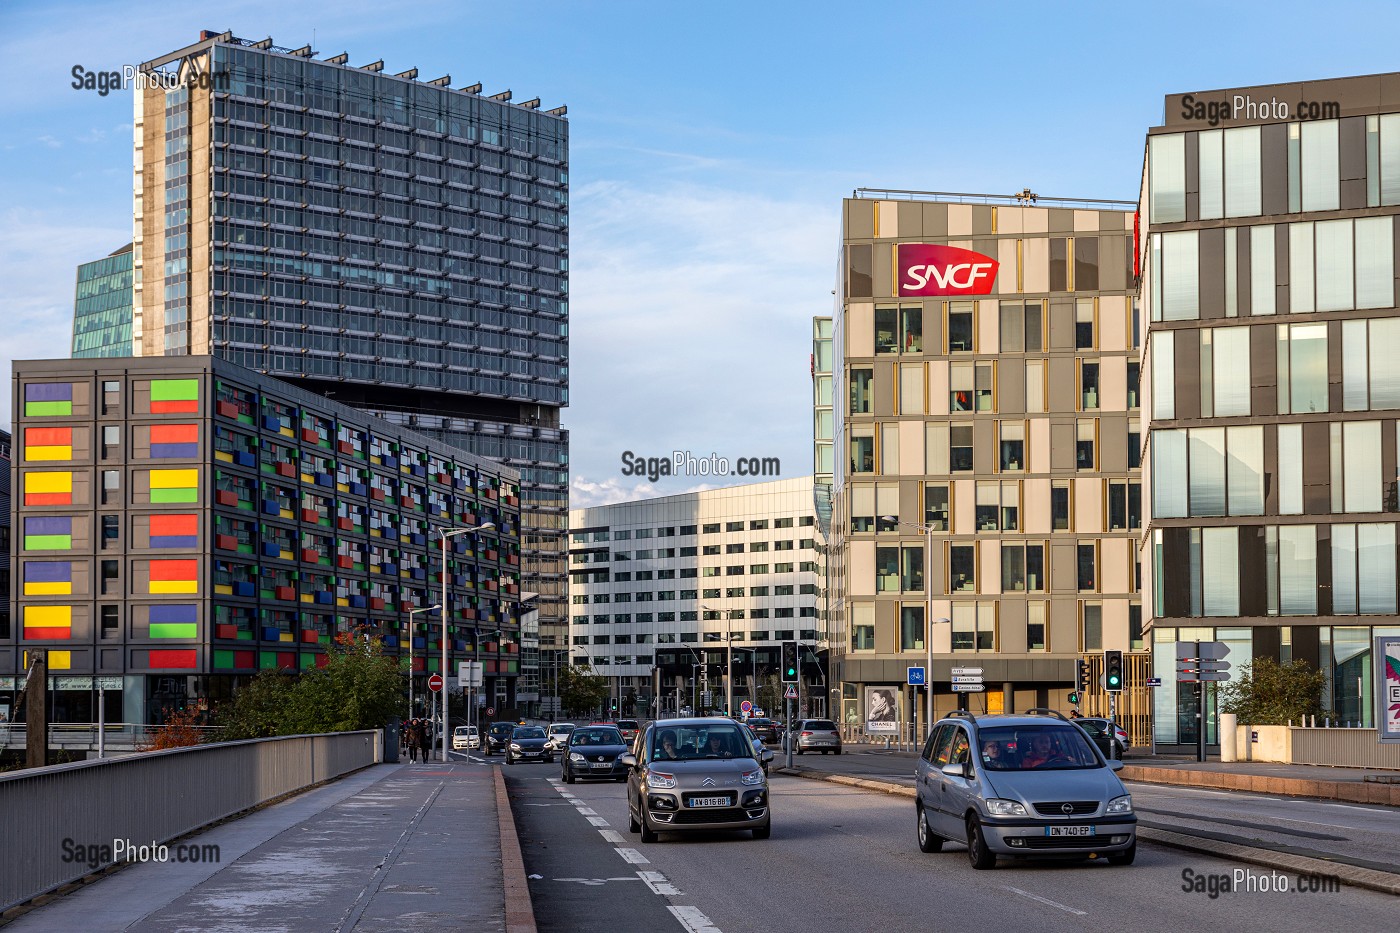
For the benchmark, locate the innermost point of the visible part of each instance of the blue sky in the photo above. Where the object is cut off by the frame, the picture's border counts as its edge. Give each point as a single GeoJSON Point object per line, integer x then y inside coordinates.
{"type": "Point", "coordinates": [711, 145]}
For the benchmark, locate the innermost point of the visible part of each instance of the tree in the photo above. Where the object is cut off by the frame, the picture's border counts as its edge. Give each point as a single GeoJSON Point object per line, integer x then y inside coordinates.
{"type": "Point", "coordinates": [181, 730]}
{"type": "Point", "coordinates": [1268, 693]}
{"type": "Point", "coordinates": [581, 690]}
{"type": "Point", "coordinates": [258, 709]}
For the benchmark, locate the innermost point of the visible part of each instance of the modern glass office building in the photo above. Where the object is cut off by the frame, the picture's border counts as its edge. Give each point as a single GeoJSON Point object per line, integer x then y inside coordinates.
{"type": "Point", "coordinates": [1269, 296]}
{"type": "Point", "coordinates": [397, 244]}
{"type": "Point", "coordinates": [102, 307]}
{"type": "Point", "coordinates": [662, 588]}
{"type": "Point", "coordinates": [986, 388]}
{"type": "Point", "coordinates": [185, 523]}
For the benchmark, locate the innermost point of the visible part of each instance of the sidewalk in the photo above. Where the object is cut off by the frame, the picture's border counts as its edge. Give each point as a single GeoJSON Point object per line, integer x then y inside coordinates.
{"type": "Point", "coordinates": [1354, 785]}
{"type": "Point", "coordinates": [420, 846]}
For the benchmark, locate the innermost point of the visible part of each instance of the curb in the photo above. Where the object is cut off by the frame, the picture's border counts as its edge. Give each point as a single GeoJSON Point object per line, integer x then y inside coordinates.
{"type": "Point", "coordinates": [1354, 875]}
{"type": "Point", "coordinates": [520, 910]}
{"type": "Point", "coordinates": [1372, 792]}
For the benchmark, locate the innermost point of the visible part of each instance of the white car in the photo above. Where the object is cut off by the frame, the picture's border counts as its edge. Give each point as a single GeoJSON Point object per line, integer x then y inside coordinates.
{"type": "Point", "coordinates": [465, 738]}
{"type": "Point", "coordinates": [558, 735]}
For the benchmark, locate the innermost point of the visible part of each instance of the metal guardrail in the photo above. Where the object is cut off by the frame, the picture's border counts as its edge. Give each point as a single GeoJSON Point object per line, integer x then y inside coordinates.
{"type": "Point", "coordinates": [153, 797]}
{"type": "Point", "coordinates": [1343, 747]}
{"type": "Point", "coordinates": [118, 736]}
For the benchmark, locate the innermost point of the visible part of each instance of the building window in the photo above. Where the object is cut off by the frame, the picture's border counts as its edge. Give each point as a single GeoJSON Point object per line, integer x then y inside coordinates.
{"type": "Point", "coordinates": [862, 628]}
{"type": "Point", "coordinates": [1167, 177]}
{"type": "Point", "coordinates": [111, 441]}
{"type": "Point", "coordinates": [1370, 379]}
{"type": "Point", "coordinates": [1035, 625]}
{"type": "Point", "coordinates": [1012, 452]}
{"type": "Point", "coordinates": [1302, 368]}
{"type": "Point", "coordinates": [1086, 432]}
{"type": "Point", "coordinates": [1164, 375]}
{"type": "Point", "coordinates": [1093, 626]}
{"type": "Point", "coordinates": [1059, 505]}
{"type": "Point", "coordinates": [1086, 562]}
{"type": "Point", "coordinates": [911, 320]}
{"type": "Point", "coordinates": [111, 622]}
{"type": "Point", "coordinates": [1035, 385]}
{"type": "Point", "coordinates": [1356, 466]}
{"type": "Point", "coordinates": [974, 626]}
{"type": "Point", "coordinates": [1124, 505]}
{"type": "Point", "coordinates": [960, 448]}
{"type": "Point", "coordinates": [1084, 329]}
{"type": "Point", "coordinates": [886, 335]}
{"type": "Point", "coordinates": [111, 531]}
{"type": "Point", "coordinates": [1363, 569]}
{"type": "Point", "coordinates": [109, 577]}
{"type": "Point", "coordinates": [936, 507]}
{"type": "Point", "coordinates": [962, 568]}
{"type": "Point", "coordinates": [1291, 569]}
{"type": "Point", "coordinates": [863, 454]}
{"type": "Point", "coordinates": [1135, 640]}
{"type": "Point", "coordinates": [1088, 385]}
{"type": "Point", "coordinates": [887, 569]}
{"type": "Point", "coordinates": [862, 386]}
{"type": "Point", "coordinates": [911, 570]}
{"type": "Point", "coordinates": [1021, 327]}
{"type": "Point", "coordinates": [960, 326]}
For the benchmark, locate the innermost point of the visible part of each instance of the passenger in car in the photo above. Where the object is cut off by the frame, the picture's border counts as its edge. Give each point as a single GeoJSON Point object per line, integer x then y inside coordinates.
{"type": "Point", "coordinates": [667, 748]}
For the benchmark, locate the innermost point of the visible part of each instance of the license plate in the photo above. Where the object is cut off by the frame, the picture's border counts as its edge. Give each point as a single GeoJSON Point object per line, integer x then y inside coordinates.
{"type": "Point", "coordinates": [601, 766]}
{"type": "Point", "coordinates": [709, 801]}
{"type": "Point", "coordinates": [1070, 830]}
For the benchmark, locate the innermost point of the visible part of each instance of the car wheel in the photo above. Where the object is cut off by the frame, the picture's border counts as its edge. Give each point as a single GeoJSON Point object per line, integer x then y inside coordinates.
{"type": "Point", "coordinates": [981, 857]}
{"type": "Point", "coordinates": [648, 834]}
{"type": "Point", "coordinates": [928, 842]}
{"type": "Point", "coordinates": [632, 824]}
{"type": "Point", "coordinates": [622, 780]}
{"type": "Point", "coordinates": [824, 751]}
{"type": "Point", "coordinates": [509, 760]}
{"type": "Point", "coordinates": [568, 776]}
{"type": "Point", "coordinates": [1125, 857]}
{"type": "Point", "coordinates": [764, 831]}
{"type": "Point", "coordinates": [799, 751]}
{"type": "Point", "coordinates": [549, 759]}
{"type": "Point", "coordinates": [838, 751]}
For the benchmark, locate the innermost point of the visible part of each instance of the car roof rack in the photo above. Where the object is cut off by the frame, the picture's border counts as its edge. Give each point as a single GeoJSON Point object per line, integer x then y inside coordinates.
{"type": "Point", "coordinates": [960, 714]}
{"type": "Point", "coordinates": [1046, 711]}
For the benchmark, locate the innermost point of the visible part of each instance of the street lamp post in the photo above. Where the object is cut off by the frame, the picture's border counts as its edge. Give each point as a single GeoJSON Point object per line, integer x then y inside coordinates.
{"type": "Point", "coordinates": [927, 531]}
{"type": "Point", "coordinates": [728, 663]}
{"type": "Point", "coordinates": [411, 614]}
{"type": "Point", "coordinates": [445, 534]}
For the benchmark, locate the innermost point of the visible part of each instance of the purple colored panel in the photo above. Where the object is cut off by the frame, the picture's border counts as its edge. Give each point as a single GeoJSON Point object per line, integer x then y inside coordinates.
{"type": "Point", "coordinates": [59, 571]}
{"type": "Point", "coordinates": [37, 525]}
{"type": "Point", "coordinates": [174, 451]}
{"type": "Point", "coordinates": [180, 612]}
{"type": "Point", "coordinates": [48, 392]}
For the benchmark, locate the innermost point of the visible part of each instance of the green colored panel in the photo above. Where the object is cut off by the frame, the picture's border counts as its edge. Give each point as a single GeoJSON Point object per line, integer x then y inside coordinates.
{"type": "Point", "coordinates": [48, 542]}
{"type": "Point", "coordinates": [307, 661]}
{"type": "Point", "coordinates": [223, 659]}
{"type": "Point", "coordinates": [174, 390]}
{"type": "Point", "coordinates": [174, 630]}
{"type": "Point", "coordinates": [245, 636]}
{"type": "Point", "coordinates": [267, 660]}
{"type": "Point", "coordinates": [41, 409]}
{"type": "Point", "coordinates": [174, 495]}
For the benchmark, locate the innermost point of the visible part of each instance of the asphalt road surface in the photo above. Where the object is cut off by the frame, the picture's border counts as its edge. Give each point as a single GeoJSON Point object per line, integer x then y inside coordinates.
{"type": "Point", "coordinates": [844, 859]}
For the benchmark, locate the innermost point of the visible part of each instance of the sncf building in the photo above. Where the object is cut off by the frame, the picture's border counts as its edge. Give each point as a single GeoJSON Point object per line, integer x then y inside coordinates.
{"type": "Point", "coordinates": [182, 523]}
{"type": "Point", "coordinates": [1269, 300]}
{"type": "Point", "coordinates": [988, 497]}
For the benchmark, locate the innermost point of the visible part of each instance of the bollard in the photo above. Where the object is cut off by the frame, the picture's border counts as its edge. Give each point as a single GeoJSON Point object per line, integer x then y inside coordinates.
{"type": "Point", "coordinates": [1229, 737]}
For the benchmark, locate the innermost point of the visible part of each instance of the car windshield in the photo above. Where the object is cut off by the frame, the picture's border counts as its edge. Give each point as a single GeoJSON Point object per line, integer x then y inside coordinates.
{"type": "Point", "coordinates": [528, 732]}
{"type": "Point", "coordinates": [1035, 748]}
{"type": "Point", "coordinates": [689, 742]}
{"type": "Point", "coordinates": [592, 736]}
{"type": "Point", "coordinates": [1092, 726]}
{"type": "Point", "coordinates": [820, 725]}
{"type": "Point", "coordinates": [556, 729]}
{"type": "Point", "coordinates": [627, 723]}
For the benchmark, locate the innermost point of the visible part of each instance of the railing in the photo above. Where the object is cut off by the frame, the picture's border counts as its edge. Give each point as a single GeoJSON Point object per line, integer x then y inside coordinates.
{"type": "Point", "coordinates": [117, 736]}
{"type": "Point", "coordinates": [1014, 200]}
{"type": "Point", "coordinates": [153, 797]}
{"type": "Point", "coordinates": [1343, 747]}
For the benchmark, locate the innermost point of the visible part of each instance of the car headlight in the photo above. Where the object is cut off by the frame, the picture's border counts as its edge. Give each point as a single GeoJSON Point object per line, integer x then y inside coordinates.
{"type": "Point", "coordinates": [660, 779]}
{"type": "Point", "coordinates": [514, 747]}
{"type": "Point", "coordinates": [575, 756]}
{"type": "Point", "coordinates": [998, 807]}
{"type": "Point", "coordinates": [1122, 804]}
{"type": "Point", "coordinates": [752, 777]}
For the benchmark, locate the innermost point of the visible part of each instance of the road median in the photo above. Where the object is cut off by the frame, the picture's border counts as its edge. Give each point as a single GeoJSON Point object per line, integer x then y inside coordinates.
{"type": "Point", "coordinates": [1373, 792]}
{"type": "Point", "coordinates": [520, 909]}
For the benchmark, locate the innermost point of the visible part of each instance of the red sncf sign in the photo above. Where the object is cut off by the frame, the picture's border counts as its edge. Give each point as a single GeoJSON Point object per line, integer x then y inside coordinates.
{"type": "Point", "coordinates": [926, 270]}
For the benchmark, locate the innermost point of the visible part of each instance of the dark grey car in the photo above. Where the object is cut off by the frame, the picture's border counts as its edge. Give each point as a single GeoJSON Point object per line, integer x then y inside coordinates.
{"type": "Point", "coordinates": [697, 774]}
{"type": "Point", "coordinates": [1030, 785]}
{"type": "Point", "coordinates": [592, 752]}
{"type": "Point", "coordinates": [527, 743]}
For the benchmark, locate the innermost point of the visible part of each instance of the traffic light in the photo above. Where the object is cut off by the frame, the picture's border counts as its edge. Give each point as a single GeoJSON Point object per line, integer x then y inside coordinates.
{"type": "Point", "coordinates": [789, 662]}
{"type": "Point", "coordinates": [1081, 675]}
{"type": "Point", "coordinates": [1113, 671]}
{"type": "Point", "coordinates": [1074, 699]}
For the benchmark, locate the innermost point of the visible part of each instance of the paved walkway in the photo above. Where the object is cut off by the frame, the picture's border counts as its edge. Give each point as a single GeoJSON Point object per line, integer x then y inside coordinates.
{"type": "Point", "coordinates": [393, 847]}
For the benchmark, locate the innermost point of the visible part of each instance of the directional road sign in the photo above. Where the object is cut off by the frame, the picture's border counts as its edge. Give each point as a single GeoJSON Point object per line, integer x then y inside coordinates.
{"type": "Point", "coordinates": [969, 688]}
{"type": "Point", "coordinates": [916, 677]}
{"type": "Point", "coordinates": [967, 678]}
{"type": "Point", "coordinates": [435, 683]}
{"type": "Point", "coordinates": [967, 670]}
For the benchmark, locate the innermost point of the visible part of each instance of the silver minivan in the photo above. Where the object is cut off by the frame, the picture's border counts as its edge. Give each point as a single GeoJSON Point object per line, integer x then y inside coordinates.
{"type": "Point", "coordinates": [1023, 785]}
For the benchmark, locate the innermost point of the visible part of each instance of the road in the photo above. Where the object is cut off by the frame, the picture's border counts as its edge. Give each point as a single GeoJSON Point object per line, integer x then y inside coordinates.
{"type": "Point", "coordinates": [843, 859]}
{"type": "Point", "coordinates": [1356, 834]}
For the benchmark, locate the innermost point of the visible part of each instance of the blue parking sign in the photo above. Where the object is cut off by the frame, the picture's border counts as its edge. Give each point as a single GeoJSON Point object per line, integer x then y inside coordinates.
{"type": "Point", "coordinates": [916, 676]}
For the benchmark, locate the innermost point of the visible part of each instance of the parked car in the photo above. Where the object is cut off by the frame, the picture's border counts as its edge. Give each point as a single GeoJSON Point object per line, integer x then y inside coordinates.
{"type": "Point", "coordinates": [557, 735]}
{"type": "Point", "coordinates": [697, 774]}
{"type": "Point", "coordinates": [758, 747]}
{"type": "Point", "coordinates": [465, 738]}
{"type": "Point", "coordinates": [1100, 730]}
{"type": "Point", "coordinates": [1024, 785]}
{"type": "Point", "coordinates": [592, 752]}
{"type": "Point", "coordinates": [816, 735]}
{"type": "Point", "coordinates": [527, 743]}
{"type": "Point", "coordinates": [629, 729]}
{"type": "Point", "coordinates": [767, 729]}
{"type": "Point", "coordinates": [498, 736]}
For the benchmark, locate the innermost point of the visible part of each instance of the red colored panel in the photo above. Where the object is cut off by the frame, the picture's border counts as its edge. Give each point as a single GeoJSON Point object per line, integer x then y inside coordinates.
{"type": "Point", "coordinates": [182, 658]}
{"type": "Point", "coordinates": [227, 542]}
{"type": "Point", "coordinates": [48, 437]}
{"type": "Point", "coordinates": [174, 570]}
{"type": "Point", "coordinates": [345, 447]}
{"type": "Point", "coordinates": [228, 410]}
{"type": "Point", "coordinates": [322, 660]}
{"type": "Point", "coordinates": [344, 524]}
{"type": "Point", "coordinates": [225, 631]}
{"type": "Point", "coordinates": [182, 525]}
{"type": "Point", "coordinates": [31, 633]}
{"type": "Point", "coordinates": [226, 497]}
{"type": "Point", "coordinates": [175, 407]}
{"type": "Point", "coordinates": [309, 634]}
{"type": "Point", "coordinates": [285, 592]}
{"type": "Point", "coordinates": [310, 436]}
{"type": "Point", "coordinates": [286, 659]}
{"type": "Point", "coordinates": [48, 498]}
{"type": "Point", "coordinates": [174, 434]}
{"type": "Point", "coordinates": [345, 561]}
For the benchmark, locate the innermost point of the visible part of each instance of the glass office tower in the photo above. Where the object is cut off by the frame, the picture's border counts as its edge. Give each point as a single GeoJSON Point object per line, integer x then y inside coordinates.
{"type": "Point", "coordinates": [1269, 297]}
{"type": "Point", "coordinates": [102, 306]}
{"type": "Point", "coordinates": [396, 244]}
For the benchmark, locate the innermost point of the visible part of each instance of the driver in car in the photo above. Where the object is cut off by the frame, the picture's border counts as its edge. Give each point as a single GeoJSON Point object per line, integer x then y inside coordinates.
{"type": "Point", "coordinates": [1043, 751]}
{"type": "Point", "coordinates": [715, 746]}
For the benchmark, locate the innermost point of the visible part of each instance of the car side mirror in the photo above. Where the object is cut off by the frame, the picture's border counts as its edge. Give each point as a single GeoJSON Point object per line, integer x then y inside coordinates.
{"type": "Point", "coordinates": [628, 760]}
{"type": "Point", "coordinates": [767, 755]}
{"type": "Point", "coordinates": [1115, 765]}
{"type": "Point", "coordinates": [956, 770]}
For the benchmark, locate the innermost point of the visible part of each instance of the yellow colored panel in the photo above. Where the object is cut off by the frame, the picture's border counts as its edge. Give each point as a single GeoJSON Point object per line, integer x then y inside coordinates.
{"type": "Point", "coordinates": [174, 479]}
{"type": "Point", "coordinates": [60, 660]}
{"type": "Point", "coordinates": [174, 586]}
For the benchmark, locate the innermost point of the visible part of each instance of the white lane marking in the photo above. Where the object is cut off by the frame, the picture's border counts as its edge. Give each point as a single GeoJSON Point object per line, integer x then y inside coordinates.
{"type": "Point", "coordinates": [693, 920]}
{"type": "Point", "coordinates": [598, 821]}
{"type": "Point", "coordinates": [593, 882]}
{"type": "Point", "coordinates": [612, 835]}
{"type": "Point", "coordinates": [658, 884]}
{"type": "Point", "coordinates": [1371, 810]}
{"type": "Point", "coordinates": [633, 857]}
{"type": "Point", "coordinates": [1044, 900]}
{"type": "Point", "coordinates": [585, 810]}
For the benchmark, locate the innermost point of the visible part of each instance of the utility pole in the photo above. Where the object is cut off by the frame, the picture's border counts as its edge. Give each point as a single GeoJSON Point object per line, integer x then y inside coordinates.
{"type": "Point", "coordinates": [36, 713]}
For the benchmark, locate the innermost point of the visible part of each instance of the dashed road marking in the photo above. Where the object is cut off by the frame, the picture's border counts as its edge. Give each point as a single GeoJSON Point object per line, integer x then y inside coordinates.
{"type": "Point", "coordinates": [658, 884]}
{"type": "Point", "coordinates": [1044, 900]}
{"type": "Point", "coordinates": [693, 920]}
{"type": "Point", "coordinates": [598, 821]}
{"type": "Point", "coordinates": [585, 809]}
{"type": "Point", "coordinates": [593, 882]}
{"type": "Point", "coordinates": [612, 835]}
{"type": "Point", "coordinates": [632, 856]}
